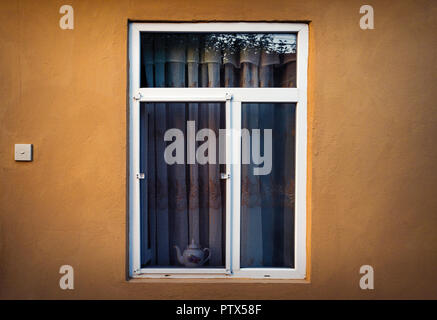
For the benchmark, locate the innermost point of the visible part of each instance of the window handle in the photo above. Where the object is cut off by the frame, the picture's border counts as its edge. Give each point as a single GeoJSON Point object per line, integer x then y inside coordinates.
{"type": "Point", "coordinates": [225, 176]}
{"type": "Point", "coordinates": [141, 176]}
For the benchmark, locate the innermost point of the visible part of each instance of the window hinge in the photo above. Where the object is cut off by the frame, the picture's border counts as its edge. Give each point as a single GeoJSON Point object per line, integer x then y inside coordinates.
{"type": "Point", "coordinates": [137, 96]}
{"type": "Point", "coordinates": [225, 176]}
{"type": "Point", "coordinates": [141, 176]}
{"type": "Point", "coordinates": [137, 271]}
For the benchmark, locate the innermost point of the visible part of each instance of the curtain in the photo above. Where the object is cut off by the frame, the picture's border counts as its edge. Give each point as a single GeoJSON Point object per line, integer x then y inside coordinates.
{"type": "Point", "coordinates": [267, 210]}
{"type": "Point", "coordinates": [186, 202]}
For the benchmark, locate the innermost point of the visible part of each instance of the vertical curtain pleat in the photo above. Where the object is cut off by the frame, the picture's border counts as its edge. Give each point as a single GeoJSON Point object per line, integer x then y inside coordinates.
{"type": "Point", "coordinates": [266, 114]}
{"type": "Point", "coordinates": [231, 65]}
{"type": "Point", "coordinates": [279, 138]}
{"type": "Point", "coordinates": [178, 214]}
{"type": "Point", "coordinates": [213, 60]}
{"type": "Point", "coordinates": [151, 161]}
{"type": "Point", "coordinates": [162, 214]}
{"type": "Point", "coordinates": [289, 74]}
{"type": "Point", "coordinates": [215, 208]}
{"type": "Point", "coordinates": [289, 174]}
{"type": "Point", "coordinates": [289, 190]}
{"type": "Point", "coordinates": [162, 225]}
{"type": "Point", "coordinates": [148, 62]}
{"type": "Point", "coordinates": [193, 115]}
{"type": "Point", "coordinates": [203, 169]}
{"type": "Point", "coordinates": [251, 214]}
{"type": "Point", "coordinates": [145, 252]}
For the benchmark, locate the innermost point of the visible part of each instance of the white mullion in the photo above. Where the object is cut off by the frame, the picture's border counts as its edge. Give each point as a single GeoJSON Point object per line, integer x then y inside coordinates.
{"type": "Point", "coordinates": [259, 95]}
{"type": "Point", "coordinates": [221, 27]}
{"type": "Point", "coordinates": [175, 275]}
{"type": "Point", "coordinates": [236, 183]}
{"type": "Point", "coordinates": [269, 273]}
{"type": "Point", "coordinates": [228, 184]}
{"type": "Point", "coordinates": [301, 153]}
{"type": "Point", "coordinates": [264, 95]}
{"type": "Point", "coordinates": [182, 94]}
{"type": "Point", "coordinates": [134, 123]}
{"type": "Point", "coordinates": [183, 270]}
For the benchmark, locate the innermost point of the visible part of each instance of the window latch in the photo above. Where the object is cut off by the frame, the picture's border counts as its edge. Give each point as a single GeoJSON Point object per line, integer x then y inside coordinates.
{"type": "Point", "coordinates": [141, 176]}
{"type": "Point", "coordinates": [137, 96]}
{"type": "Point", "coordinates": [225, 176]}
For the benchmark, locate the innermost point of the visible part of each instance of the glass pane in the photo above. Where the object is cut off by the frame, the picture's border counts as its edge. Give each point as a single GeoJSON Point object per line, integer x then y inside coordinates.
{"type": "Point", "coordinates": [183, 198]}
{"type": "Point", "coordinates": [267, 185]}
{"type": "Point", "coordinates": [218, 60]}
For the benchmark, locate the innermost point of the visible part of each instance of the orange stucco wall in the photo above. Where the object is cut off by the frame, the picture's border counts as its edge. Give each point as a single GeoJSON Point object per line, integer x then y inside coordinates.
{"type": "Point", "coordinates": [372, 129]}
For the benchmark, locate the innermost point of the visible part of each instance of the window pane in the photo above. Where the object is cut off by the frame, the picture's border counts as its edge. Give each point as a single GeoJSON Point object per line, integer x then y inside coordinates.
{"type": "Point", "coordinates": [218, 60]}
{"type": "Point", "coordinates": [267, 185]}
{"type": "Point", "coordinates": [183, 198]}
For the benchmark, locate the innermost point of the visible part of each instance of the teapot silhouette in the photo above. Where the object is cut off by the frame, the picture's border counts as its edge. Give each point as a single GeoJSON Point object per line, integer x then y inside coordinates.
{"type": "Point", "coordinates": [193, 256]}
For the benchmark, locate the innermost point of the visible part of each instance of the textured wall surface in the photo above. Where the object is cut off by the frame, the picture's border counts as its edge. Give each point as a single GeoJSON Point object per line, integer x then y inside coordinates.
{"type": "Point", "coordinates": [372, 155]}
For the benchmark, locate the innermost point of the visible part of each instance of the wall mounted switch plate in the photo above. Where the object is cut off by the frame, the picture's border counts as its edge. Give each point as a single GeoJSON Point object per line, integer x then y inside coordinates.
{"type": "Point", "coordinates": [23, 152]}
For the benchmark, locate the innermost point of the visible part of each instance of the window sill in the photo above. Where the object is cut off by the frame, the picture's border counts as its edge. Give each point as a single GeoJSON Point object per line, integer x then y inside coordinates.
{"type": "Point", "coordinates": [145, 279]}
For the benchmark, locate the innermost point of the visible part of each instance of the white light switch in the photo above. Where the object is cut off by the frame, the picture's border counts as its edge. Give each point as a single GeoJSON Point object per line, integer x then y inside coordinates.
{"type": "Point", "coordinates": [23, 152]}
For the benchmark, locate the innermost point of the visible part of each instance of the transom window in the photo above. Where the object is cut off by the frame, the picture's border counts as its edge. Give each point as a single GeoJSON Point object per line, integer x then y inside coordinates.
{"type": "Point", "coordinates": [218, 150]}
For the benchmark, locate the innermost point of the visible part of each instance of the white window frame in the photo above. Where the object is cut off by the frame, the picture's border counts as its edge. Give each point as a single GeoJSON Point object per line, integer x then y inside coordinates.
{"type": "Point", "coordinates": [233, 97]}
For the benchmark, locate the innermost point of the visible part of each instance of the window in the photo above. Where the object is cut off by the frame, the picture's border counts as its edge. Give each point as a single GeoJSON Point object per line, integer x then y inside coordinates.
{"type": "Point", "coordinates": [218, 131]}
